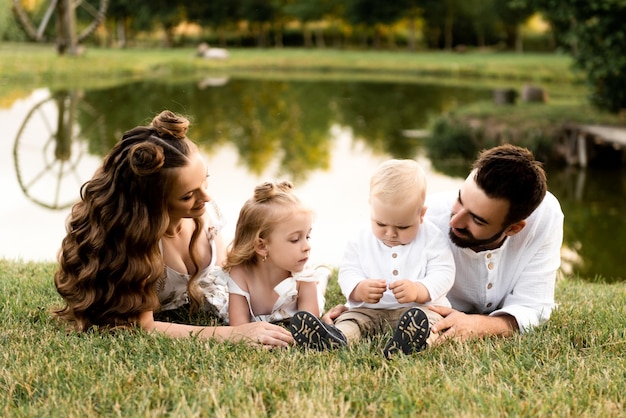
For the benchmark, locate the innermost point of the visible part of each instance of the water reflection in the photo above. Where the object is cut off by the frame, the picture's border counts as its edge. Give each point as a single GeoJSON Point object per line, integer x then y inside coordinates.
{"type": "Point", "coordinates": [50, 146]}
{"type": "Point", "coordinates": [327, 137]}
{"type": "Point", "coordinates": [286, 122]}
{"type": "Point", "coordinates": [594, 203]}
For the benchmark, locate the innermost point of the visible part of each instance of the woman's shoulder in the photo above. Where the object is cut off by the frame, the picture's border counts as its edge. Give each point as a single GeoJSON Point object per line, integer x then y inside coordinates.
{"type": "Point", "coordinates": [213, 217]}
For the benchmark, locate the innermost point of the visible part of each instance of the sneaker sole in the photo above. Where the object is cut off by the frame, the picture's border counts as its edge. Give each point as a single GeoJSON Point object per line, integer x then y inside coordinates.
{"type": "Point", "coordinates": [410, 335]}
{"type": "Point", "coordinates": [309, 332]}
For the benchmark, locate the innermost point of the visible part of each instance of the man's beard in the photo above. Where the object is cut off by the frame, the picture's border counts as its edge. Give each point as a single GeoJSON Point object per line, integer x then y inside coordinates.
{"type": "Point", "coordinates": [470, 241]}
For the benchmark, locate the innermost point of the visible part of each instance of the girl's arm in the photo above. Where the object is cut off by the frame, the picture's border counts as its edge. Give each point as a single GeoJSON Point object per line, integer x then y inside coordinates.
{"type": "Point", "coordinates": [307, 297]}
{"type": "Point", "coordinates": [262, 333]}
{"type": "Point", "coordinates": [238, 309]}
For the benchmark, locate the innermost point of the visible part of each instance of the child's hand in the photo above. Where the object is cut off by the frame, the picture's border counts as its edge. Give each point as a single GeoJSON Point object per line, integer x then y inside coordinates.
{"type": "Point", "coordinates": [369, 290]}
{"type": "Point", "coordinates": [405, 291]}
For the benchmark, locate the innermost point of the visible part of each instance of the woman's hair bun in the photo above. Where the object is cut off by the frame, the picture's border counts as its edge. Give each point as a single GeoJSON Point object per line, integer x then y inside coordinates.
{"type": "Point", "coordinates": [169, 125]}
{"type": "Point", "coordinates": [146, 158]}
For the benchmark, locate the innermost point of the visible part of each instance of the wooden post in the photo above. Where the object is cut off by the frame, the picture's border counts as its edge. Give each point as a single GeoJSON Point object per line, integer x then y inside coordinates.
{"type": "Point", "coordinates": [504, 96]}
{"type": "Point", "coordinates": [66, 28]}
{"type": "Point", "coordinates": [582, 150]}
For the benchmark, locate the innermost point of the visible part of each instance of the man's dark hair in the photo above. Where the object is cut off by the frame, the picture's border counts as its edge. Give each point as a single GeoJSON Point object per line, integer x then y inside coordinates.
{"type": "Point", "coordinates": [512, 173]}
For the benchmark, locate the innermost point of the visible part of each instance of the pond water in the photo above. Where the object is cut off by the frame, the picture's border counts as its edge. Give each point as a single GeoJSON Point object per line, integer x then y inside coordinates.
{"type": "Point", "coordinates": [326, 137]}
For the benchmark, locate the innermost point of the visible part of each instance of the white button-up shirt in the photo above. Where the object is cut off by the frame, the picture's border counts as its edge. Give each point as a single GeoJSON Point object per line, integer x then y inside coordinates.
{"type": "Point", "coordinates": [516, 279]}
{"type": "Point", "coordinates": [427, 260]}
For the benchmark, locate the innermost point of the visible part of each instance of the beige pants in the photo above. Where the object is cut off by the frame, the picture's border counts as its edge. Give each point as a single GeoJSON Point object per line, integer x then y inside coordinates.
{"type": "Point", "coordinates": [366, 322]}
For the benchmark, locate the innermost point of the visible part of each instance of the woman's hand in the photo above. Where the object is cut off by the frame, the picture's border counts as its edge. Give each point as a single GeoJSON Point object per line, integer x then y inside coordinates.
{"type": "Point", "coordinates": [262, 333]}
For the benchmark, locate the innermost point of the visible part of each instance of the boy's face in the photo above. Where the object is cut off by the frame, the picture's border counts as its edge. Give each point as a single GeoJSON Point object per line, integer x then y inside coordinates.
{"type": "Point", "coordinates": [395, 223]}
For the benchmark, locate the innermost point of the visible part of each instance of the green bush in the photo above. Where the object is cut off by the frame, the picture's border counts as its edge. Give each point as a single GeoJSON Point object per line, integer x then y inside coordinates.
{"type": "Point", "coordinates": [453, 145]}
{"type": "Point", "coordinates": [10, 29]}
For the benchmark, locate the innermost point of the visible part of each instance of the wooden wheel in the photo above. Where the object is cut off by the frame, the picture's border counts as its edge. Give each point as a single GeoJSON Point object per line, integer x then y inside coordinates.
{"type": "Point", "coordinates": [51, 147]}
{"type": "Point", "coordinates": [65, 11]}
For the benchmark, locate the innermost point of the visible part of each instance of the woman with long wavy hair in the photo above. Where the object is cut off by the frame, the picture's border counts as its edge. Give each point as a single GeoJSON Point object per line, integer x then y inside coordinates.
{"type": "Point", "coordinates": [141, 241]}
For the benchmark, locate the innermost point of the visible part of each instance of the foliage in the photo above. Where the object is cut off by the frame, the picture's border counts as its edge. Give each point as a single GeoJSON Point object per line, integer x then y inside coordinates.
{"type": "Point", "coordinates": [595, 33]}
{"type": "Point", "coordinates": [457, 137]}
{"type": "Point", "coordinates": [451, 139]}
{"type": "Point", "coordinates": [214, 13]}
{"type": "Point", "coordinates": [468, 22]}
{"type": "Point", "coordinates": [572, 366]}
{"type": "Point", "coordinates": [371, 12]}
{"type": "Point", "coordinates": [309, 10]}
{"type": "Point", "coordinates": [459, 23]}
{"type": "Point", "coordinates": [9, 28]}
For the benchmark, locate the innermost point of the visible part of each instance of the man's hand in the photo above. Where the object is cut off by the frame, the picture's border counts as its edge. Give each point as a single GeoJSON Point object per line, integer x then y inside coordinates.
{"type": "Point", "coordinates": [369, 290]}
{"type": "Point", "coordinates": [334, 312]}
{"type": "Point", "coordinates": [454, 325]}
{"type": "Point", "coordinates": [459, 326]}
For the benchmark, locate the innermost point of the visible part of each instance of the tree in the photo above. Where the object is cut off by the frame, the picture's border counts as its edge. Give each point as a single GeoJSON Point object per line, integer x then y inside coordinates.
{"type": "Point", "coordinates": [439, 17]}
{"type": "Point", "coordinates": [307, 12]}
{"type": "Point", "coordinates": [595, 33]}
{"type": "Point", "coordinates": [216, 14]}
{"type": "Point", "coordinates": [260, 14]}
{"type": "Point", "coordinates": [145, 16]}
{"type": "Point", "coordinates": [450, 23]}
{"type": "Point", "coordinates": [9, 27]}
{"type": "Point", "coordinates": [371, 14]}
{"type": "Point", "coordinates": [511, 18]}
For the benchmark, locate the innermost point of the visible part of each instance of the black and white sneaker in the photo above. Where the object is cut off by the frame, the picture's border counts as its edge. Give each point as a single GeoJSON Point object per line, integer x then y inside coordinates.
{"type": "Point", "coordinates": [310, 332]}
{"type": "Point", "coordinates": [410, 335]}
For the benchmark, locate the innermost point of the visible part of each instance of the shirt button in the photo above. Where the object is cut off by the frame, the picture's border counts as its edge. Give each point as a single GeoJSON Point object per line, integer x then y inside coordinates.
{"type": "Point", "coordinates": [490, 285]}
{"type": "Point", "coordinates": [489, 305]}
{"type": "Point", "coordinates": [488, 255]}
{"type": "Point", "coordinates": [490, 266]}
{"type": "Point", "coordinates": [394, 255]}
{"type": "Point", "coordinates": [395, 272]}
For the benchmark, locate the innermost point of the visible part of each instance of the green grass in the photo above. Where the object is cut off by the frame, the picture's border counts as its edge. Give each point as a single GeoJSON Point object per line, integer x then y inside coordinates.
{"type": "Point", "coordinates": [27, 66]}
{"type": "Point", "coordinates": [572, 366]}
{"type": "Point", "coordinates": [34, 63]}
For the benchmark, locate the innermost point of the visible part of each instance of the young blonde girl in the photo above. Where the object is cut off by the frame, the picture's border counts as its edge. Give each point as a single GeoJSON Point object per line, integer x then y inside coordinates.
{"type": "Point", "coordinates": [266, 265]}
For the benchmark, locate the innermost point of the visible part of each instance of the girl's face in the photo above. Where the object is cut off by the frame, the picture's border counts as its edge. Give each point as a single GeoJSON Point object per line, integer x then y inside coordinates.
{"type": "Point", "coordinates": [395, 224]}
{"type": "Point", "coordinates": [188, 196]}
{"type": "Point", "coordinates": [288, 245]}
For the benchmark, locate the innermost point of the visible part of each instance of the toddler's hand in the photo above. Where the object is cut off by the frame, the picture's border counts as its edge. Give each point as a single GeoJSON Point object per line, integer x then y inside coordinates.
{"type": "Point", "coordinates": [405, 291]}
{"type": "Point", "coordinates": [369, 290]}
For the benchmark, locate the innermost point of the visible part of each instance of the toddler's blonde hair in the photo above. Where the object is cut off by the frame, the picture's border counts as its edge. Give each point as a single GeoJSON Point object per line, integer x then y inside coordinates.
{"type": "Point", "coordinates": [397, 181]}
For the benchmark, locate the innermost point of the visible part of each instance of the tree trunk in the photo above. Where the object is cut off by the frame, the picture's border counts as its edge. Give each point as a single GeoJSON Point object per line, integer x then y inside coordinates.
{"type": "Point", "coordinates": [411, 44]}
{"type": "Point", "coordinates": [278, 35]}
{"type": "Point", "coordinates": [66, 28]}
{"type": "Point", "coordinates": [221, 36]}
{"type": "Point", "coordinates": [120, 29]}
{"type": "Point", "coordinates": [319, 38]}
{"type": "Point", "coordinates": [376, 37]}
{"type": "Point", "coordinates": [519, 41]}
{"type": "Point", "coordinates": [447, 31]}
{"type": "Point", "coordinates": [391, 39]}
{"type": "Point", "coordinates": [308, 38]}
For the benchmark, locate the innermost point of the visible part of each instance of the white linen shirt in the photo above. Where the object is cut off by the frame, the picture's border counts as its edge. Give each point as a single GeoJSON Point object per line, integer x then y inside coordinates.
{"type": "Point", "coordinates": [427, 260]}
{"type": "Point", "coordinates": [516, 279]}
